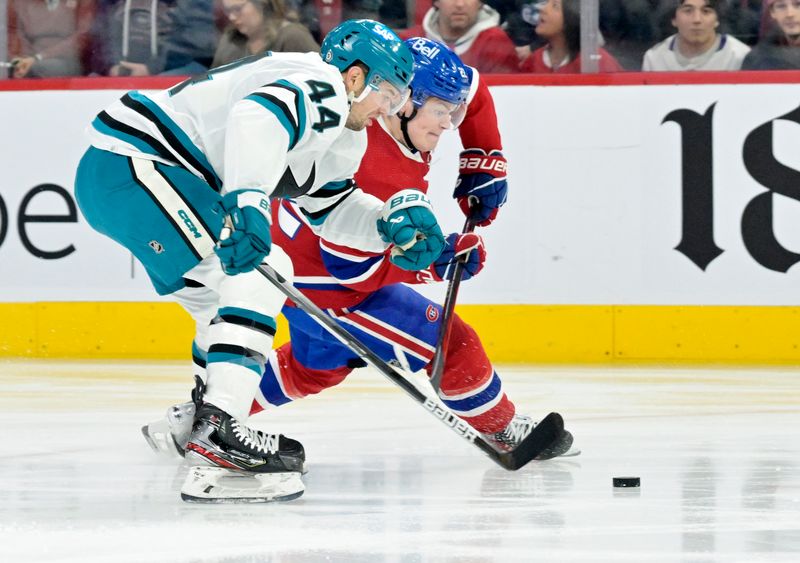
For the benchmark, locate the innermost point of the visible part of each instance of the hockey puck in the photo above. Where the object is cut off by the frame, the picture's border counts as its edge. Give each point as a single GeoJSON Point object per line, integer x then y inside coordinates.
{"type": "Point", "coordinates": [626, 481]}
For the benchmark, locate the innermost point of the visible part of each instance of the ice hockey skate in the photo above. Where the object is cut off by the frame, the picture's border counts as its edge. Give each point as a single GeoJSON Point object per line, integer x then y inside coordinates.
{"type": "Point", "coordinates": [234, 463]}
{"type": "Point", "coordinates": [519, 427]}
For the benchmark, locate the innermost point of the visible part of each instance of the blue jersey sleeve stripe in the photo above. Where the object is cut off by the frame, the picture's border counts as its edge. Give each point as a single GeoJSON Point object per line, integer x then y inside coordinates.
{"type": "Point", "coordinates": [176, 137]}
{"type": "Point", "coordinates": [276, 107]}
{"type": "Point", "coordinates": [320, 286]}
{"type": "Point", "coordinates": [344, 270]}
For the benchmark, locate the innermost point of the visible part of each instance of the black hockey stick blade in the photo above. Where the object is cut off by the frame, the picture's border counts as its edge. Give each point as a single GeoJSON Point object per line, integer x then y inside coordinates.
{"type": "Point", "coordinates": [542, 438]}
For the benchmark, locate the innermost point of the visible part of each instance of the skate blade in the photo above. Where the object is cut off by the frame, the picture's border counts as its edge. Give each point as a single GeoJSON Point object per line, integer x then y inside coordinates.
{"type": "Point", "coordinates": [220, 485]}
{"type": "Point", "coordinates": [160, 439]}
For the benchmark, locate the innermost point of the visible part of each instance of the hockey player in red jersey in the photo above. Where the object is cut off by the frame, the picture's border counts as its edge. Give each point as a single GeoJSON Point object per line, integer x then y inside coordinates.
{"type": "Point", "coordinates": [365, 291]}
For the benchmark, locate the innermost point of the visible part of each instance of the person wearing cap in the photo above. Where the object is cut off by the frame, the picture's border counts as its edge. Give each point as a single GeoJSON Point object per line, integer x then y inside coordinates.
{"type": "Point", "coordinates": [779, 48]}
{"type": "Point", "coordinates": [698, 45]}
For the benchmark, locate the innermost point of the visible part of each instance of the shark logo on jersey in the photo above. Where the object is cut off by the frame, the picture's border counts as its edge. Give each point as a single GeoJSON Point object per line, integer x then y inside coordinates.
{"type": "Point", "coordinates": [189, 225]}
{"type": "Point", "coordinates": [157, 247]}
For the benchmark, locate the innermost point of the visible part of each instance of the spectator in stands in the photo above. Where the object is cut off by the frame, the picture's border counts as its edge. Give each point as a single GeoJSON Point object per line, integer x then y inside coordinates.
{"type": "Point", "coordinates": [560, 25]}
{"type": "Point", "coordinates": [48, 37]}
{"type": "Point", "coordinates": [628, 28]}
{"type": "Point", "coordinates": [191, 46]}
{"type": "Point", "coordinates": [257, 26]}
{"type": "Point", "coordinates": [129, 38]}
{"type": "Point", "coordinates": [697, 45]}
{"type": "Point", "coordinates": [743, 20]}
{"type": "Point", "coordinates": [471, 29]}
{"type": "Point", "coordinates": [780, 48]}
{"type": "Point", "coordinates": [520, 26]}
{"type": "Point", "coordinates": [361, 9]}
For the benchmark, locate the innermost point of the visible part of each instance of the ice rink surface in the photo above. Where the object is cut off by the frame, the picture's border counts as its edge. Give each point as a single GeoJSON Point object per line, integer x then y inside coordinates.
{"type": "Point", "coordinates": [718, 453]}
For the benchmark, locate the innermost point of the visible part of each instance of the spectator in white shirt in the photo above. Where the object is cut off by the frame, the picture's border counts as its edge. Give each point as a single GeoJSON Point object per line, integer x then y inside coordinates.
{"type": "Point", "coordinates": [697, 45]}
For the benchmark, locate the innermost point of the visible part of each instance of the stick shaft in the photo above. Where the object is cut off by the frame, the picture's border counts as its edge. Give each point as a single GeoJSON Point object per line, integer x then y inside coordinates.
{"type": "Point", "coordinates": [432, 405]}
{"type": "Point", "coordinates": [437, 365]}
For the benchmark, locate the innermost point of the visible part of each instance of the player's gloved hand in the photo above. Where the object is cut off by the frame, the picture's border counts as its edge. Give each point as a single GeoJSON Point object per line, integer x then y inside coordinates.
{"type": "Point", "coordinates": [408, 222]}
{"type": "Point", "coordinates": [481, 183]}
{"type": "Point", "coordinates": [457, 246]}
{"type": "Point", "coordinates": [250, 241]}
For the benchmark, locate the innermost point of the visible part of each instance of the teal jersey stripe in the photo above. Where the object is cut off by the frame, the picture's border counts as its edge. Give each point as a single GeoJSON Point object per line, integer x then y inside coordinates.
{"type": "Point", "coordinates": [130, 139]}
{"type": "Point", "coordinates": [197, 352]}
{"type": "Point", "coordinates": [301, 107]}
{"type": "Point", "coordinates": [314, 220]}
{"type": "Point", "coordinates": [248, 314]}
{"type": "Point", "coordinates": [237, 359]}
{"type": "Point", "coordinates": [278, 113]}
{"type": "Point", "coordinates": [179, 133]}
{"type": "Point", "coordinates": [333, 186]}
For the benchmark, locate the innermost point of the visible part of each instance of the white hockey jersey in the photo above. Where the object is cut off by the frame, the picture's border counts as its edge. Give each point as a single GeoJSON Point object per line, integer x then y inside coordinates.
{"type": "Point", "coordinates": [273, 122]}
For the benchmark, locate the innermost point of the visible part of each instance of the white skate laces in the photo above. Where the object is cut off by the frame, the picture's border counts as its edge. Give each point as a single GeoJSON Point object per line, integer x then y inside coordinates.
{"type": "Point", "coordinates": [516, 431]}
{"type": "Point", "coordinates": [259, 441]}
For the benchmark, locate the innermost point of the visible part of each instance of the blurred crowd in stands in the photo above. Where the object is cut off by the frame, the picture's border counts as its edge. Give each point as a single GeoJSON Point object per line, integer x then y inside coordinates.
{"type": "Point", "coordinates": [57, 38]}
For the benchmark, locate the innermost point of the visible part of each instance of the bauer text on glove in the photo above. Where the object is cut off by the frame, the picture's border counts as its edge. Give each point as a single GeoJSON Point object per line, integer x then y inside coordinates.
{"type": "Point", "coordinates": [481, 188]}
{"type": "Point", "coordinates": [250, 241]}
{"type": "Point", "coordinates": [407, 221]}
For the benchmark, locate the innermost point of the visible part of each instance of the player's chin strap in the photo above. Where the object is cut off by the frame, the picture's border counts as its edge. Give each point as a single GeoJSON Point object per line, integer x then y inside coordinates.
{"type": "Point", "coordinates": [404, 127]}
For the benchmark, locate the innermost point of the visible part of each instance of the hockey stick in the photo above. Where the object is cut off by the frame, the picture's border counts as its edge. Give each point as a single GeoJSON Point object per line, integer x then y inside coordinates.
{"type": "Point", "coordinates": [543, 436]}
{"type": "Point", "coordinates": [437, 367]}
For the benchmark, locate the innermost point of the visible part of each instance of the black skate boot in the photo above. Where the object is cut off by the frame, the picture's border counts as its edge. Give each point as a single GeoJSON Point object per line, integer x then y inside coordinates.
{"type": "Point", "coordinates": [218, 439]}
{"type": "Point", "coordinates": [519, 427]}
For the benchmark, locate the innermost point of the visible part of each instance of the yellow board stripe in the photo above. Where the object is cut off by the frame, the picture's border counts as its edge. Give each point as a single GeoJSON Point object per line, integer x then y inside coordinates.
{"type": "Point", "coordinates": [511, 333]}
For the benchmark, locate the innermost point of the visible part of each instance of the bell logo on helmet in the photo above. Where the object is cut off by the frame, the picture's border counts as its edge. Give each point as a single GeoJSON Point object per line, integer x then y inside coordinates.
{"type": "Point", "coordinates": [427, 48]}
{"type": "Point", "coordinates": [328, 56]}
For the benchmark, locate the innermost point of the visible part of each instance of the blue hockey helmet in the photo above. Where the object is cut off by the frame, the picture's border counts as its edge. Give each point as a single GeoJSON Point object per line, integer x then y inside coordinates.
{"type": "Point", "coordinates": [373, 44]}
{"type": "Point", "coordinates": [438, 72]}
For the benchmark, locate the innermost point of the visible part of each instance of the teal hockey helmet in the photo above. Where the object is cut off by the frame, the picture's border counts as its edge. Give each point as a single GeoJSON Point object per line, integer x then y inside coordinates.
{"type": "Point", "coordinates": [374, 45]}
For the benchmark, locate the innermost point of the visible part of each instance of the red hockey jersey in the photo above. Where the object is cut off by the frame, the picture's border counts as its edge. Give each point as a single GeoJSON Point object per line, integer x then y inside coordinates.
{"type": "Point", "coordinates": [338, 277]}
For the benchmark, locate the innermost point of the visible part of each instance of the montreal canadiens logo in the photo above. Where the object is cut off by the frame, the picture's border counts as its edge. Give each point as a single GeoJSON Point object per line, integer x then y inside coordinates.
{"type": "Point", "coordinates": [432, 313]}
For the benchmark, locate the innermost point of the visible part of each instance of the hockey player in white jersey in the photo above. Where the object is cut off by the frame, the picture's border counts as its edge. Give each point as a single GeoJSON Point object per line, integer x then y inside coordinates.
{"type": "Point", "coordinates": [167, 171]}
